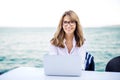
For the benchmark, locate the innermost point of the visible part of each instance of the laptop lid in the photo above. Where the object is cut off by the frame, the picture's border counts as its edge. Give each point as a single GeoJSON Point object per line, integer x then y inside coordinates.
{"type": "Point", "coordinates": [68, 65]}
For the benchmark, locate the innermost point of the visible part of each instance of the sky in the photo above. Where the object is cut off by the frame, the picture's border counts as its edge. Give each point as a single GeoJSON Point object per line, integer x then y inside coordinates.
{"type": "Point", "coordinates": [47, 13]}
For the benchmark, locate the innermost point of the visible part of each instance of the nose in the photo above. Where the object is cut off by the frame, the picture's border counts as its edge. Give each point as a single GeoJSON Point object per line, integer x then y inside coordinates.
{"type": "Point", "coordinates": [68, 25]}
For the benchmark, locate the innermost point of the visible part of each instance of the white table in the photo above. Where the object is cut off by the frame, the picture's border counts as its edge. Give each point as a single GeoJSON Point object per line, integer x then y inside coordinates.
{"type": "Point", "coordinates": [31, 73]}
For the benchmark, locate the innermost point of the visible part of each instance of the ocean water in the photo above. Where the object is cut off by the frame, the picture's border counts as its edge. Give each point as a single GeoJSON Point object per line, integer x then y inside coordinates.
{"type": "Point", "coordinates": [26, 46]}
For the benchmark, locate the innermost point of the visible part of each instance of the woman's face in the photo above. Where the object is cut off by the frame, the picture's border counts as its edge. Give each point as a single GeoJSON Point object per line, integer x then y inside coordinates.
{"type": "Point", "coordinates": [68, 25]}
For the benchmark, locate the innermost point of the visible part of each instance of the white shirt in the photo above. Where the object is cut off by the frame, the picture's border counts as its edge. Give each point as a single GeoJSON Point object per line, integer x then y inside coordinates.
{"type": "Point", "coordinates": [54, 50]}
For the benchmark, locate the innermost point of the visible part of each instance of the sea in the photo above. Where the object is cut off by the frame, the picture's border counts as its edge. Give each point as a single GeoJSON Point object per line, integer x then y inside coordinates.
{"type": "Point", "coordinates": [23, 46]}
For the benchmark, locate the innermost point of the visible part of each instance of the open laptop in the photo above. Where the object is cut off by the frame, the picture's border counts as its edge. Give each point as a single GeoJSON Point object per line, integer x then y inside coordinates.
{"type": "Point", "coordinates": [56, 65]}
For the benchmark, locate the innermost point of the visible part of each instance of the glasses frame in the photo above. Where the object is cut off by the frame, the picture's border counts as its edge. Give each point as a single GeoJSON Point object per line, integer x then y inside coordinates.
{"type": "Point", "coordinates": [65, 23]}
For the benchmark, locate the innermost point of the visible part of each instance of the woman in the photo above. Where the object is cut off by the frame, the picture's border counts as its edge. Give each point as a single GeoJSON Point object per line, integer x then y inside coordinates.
{"type": "Point", "coordinates": [69, 40]}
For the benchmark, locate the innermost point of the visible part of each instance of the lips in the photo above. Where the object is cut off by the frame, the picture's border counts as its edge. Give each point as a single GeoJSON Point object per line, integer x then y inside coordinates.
{"type": "Point", "coordinates": [69, 29]}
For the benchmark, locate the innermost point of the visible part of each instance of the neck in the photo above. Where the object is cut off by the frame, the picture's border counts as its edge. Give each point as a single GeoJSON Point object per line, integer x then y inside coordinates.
{"type": "Point", "coordinates": [69, 37]}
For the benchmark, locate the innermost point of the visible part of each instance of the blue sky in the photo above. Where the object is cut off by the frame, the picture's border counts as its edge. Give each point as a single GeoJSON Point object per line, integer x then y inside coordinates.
{"type": "Point", "coordinates": [40, 13]}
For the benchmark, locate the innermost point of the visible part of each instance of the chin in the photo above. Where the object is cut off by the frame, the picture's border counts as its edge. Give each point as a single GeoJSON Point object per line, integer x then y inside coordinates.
{"type": "Point", "coordinates": [69, 33]}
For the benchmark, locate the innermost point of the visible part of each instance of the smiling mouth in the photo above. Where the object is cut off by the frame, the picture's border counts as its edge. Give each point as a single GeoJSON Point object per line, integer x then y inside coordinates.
{"type": "Point", "coordinates": [68, 29]}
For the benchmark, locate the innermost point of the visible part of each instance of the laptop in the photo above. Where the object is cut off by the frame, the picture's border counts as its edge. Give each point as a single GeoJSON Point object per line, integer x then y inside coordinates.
{"type": "Point", "coordinates": [57, 65]}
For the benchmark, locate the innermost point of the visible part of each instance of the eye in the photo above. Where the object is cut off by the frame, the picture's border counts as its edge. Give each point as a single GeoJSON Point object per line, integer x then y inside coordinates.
{"type": "Point", "coordinates": [72, 21]}
{"type": "Point", "coordinates": [65, 22]}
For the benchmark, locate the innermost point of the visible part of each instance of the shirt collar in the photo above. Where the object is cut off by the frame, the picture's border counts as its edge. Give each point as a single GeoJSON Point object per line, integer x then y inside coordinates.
{"type": "Point", "coordinates": [74, 41]}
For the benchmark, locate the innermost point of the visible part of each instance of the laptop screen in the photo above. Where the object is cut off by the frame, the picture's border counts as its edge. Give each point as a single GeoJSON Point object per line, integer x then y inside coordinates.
{"type": "Point", "coordinates": [62, 65]}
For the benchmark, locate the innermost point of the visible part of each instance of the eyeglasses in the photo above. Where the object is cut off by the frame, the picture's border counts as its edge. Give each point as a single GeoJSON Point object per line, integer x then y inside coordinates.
{"type": "Point", "coordinates": [65, 23]}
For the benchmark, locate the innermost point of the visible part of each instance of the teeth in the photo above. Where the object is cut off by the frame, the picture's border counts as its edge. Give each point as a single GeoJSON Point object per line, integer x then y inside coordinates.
{"type": "Point", "coordinates": [68, 29]}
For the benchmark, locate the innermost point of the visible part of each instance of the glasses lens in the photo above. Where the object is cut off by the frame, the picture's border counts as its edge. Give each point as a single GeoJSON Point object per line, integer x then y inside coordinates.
{"type": "Point", "coordinates": [68, 22]}
{"type": "Point", "coordinates": [72, 22]}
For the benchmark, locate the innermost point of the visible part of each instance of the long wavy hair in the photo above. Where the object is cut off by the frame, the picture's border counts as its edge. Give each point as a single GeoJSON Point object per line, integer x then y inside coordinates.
{"type": "Point", "coordinates": [59, 35]}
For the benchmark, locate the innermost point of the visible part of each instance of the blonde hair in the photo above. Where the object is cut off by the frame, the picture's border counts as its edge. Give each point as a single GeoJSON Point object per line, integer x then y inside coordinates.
{"type": "Point", "coordinates": [59, 35]}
